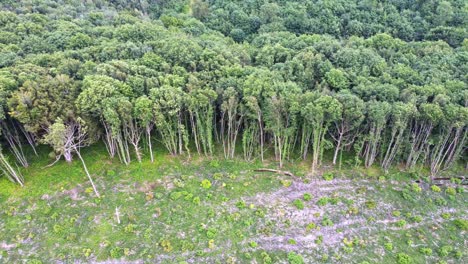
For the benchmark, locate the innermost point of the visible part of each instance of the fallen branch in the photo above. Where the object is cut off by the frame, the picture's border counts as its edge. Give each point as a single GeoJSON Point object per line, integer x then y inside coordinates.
{"type": "Point", "coordinates": [287, 173]}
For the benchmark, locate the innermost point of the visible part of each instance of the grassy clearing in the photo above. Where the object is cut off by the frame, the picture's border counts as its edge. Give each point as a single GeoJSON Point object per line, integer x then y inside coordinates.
{"type": "Point", "coordinates": [216, 211]}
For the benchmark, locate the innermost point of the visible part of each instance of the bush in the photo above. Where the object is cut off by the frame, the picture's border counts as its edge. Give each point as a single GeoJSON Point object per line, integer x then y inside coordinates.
{"type": "Point", "coordinates": [461, 224]}
{"type": "Point", "coordinates": [450, 191]}
{"type": "Point", "coordinates": [294, 258]}
{"type": "Point", "coordinates": [388, 246]}
{"type": "Point", "coordinates": [445, 251]}
{"type": "Point", "coordinates": [416, 188]}
{"type": "Point", "coordinates": [435, 188]}
{"type": "Point", "coordinates": [253, 244]}
{"type": "Point", "coordinates": [286, 183]}
{"type": "Point", "coordinates": [299, 204]}
{"type": "Point", "coordinates": [241, 205]}
{"type": "Point", "coordinates": [426, 251]}
{"type": "Point", "coordinates": [218, 176]}
{"type": "Point", "coordinates": [402, 258]}
{"type": "Point", "coordinates": [322, 201]}
{"type": "Point", "coordinates": [445, 216]}
{"type": "Point", "coordinates": [401, 223]}
{"type": "Point", "coordinates": [266, 258]}
{"type": "Point", "coordinates": [307, 197]}
{"type": "Point", "coordinates": [327, 222]}
{"type": "Point", "coordinates": [417, 219]}
{"type": "Point", "coordinates": [396, 213]}
{"type": "Point", "coordinates": [206, 184]}
{"type": "Point", "coordinates": [371, 204]}
{"type": "Point", "coordinates": [292, 241]}
{"type": "Point", "coordinates": [328, 176]}
{"type": "Point", "coordinates": [311, 226]}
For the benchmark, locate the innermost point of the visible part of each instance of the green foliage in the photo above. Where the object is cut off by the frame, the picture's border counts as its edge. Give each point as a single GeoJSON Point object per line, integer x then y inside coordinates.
{"type": "Point", "coordinates": [294, 258]}
{"type": "Point", "coordinates": [403, 258]}
{"type": "Point", "coordinates": [206, 184]}
{"type": "Point", "coordinates": [426, 251]}
{"type": "Point", "coordinates": [388, 246]}
{"type": "Point", "coordinates": [450, 191]}
{"type": "Point", "coordinates": [298, 204]}
{"type": "Point", "coordinates": [444, 251]}
{"type": "Point", "coordinates": [307, 197]}
{"type": "Point", "coordinates": [461, 224]}
{"type": "Point", "coordinates": [328, 176]}
{"type": "Point", "coordinates": [435, 188]}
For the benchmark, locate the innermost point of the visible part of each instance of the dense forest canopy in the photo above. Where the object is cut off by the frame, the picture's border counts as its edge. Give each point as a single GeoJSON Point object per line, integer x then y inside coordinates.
{"type": "Point", "coordinates": [384, 80]}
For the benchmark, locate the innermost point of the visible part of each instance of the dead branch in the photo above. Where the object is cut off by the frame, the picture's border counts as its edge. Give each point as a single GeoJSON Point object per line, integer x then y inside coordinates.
{"type": "Point", "coordinates": [287, 173]}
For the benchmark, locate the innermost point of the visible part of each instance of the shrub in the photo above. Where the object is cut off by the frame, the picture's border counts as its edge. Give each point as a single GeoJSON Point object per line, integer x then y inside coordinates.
{"type": "Point", "coordinates": [175, 195]}
{"type": "Point", "coordinates": [460, 189]}
{"type": "Point", "coordinates": [166, 245]}
{"type": "Point", "coordinates": [326, 221]}
{"type": "Point", "coordinates": [294, 258]}
{"type": "Point", "coordinates": [322, 201]}
{"type": "Point", "coordinates": [206, 184]}
{"type": "Point", "coordinates": [286, 183]}
{"type": "Point", "coordinates": [445, 216]}
{"type": "Point", "coordinates": [215, 164]}
{"type": "Point", "coordinates": [388, 246]}
{"type": "Point", "coordinates": [307, 197]}
{"type": "Point", "coordinates": [450, 191]}
{"type": "Point", "coordinates": [266, 258]}
{"type": "Point", "coordinates": [110, 173]}
{"type": "Point", "coordinates": [396, 213]}
{"type": "Point", "coordinates": [292, 241]}
{"type": "Point", "coordinates": [241, 205]}
{"type": "Point", "coordinates": [402, 258]}
{"type": "Point", "coordinates": [416, 188]}
{"type": "Point", "coordinates": [426, 251]}
{"type": "Point", "coordinates": [179, 183]}
{"type": "Point", "coordinates": [417, 219]}
{"type": "Point", "coordinates": [116, 252]}
{"type": "Point", "coordinates": [211, 233]}
{"type": "Point", "coordinates": [299, 204]}
{"type": "Point", "coordinates": [311, 226]}
{"type": "Point", "coordinates": [196, 200]}
{"type": "Point", "coordinates": [440, 202]}
{"type": "Point", "coordinates": [319, 240]}
{"type": "Point", "coordinates": [371, 204]}
{"type": "Point", "coordinates": [445, 251]}
{"type": "Point", "coordinates": [461, 224]}
{"type": "Point", "coordinates": [218, 176]}
{"type": "Point", "coordinates": [435, 188]}
{"type": "Point", "coordinates": [253, 244]}
{"type": "Point", "coordinates": [353, 210]}
{"type": "Point", "coordinates": [328, 176]}
{"type": "Point", "coordinates": [401, 223]}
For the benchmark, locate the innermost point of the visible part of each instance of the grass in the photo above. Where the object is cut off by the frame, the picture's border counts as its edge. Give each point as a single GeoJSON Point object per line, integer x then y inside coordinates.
{"type": "Point", "coordinates": [217, 211]}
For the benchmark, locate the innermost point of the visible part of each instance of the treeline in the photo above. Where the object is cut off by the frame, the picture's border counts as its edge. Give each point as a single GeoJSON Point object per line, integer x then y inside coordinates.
{"type": "Point", "coordinates": [128, 80]}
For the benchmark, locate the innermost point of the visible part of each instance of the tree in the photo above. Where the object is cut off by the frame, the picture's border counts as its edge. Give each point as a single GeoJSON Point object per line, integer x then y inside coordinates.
{"type": "Point", "coordinates": [68, 138]}
{"type": "Point", "coordinates": [281, 115]}
{"type": "Point", "coordinates": [401, 114]}
{"type": "Point", "coordinates": [97, 100]}
{"type": "Point", "coordinates": [200, 105]}
{"type": "Point", "coordinates": [450, 141]}
{"type": "Point", "coordinates": [377, 117]}
{"type": "Point", "coordinates": [346, 127]}
{"type": "Point", "coordinates": [143, 112]}
{"type": "Point", "coordinates": [428, 116]}
{"type": "Point", "coordinates": [318, 112]}
{"type": "Point", "coordinates": [231, 121]}
{"type": "Point", "coordinates": [168, 106]}
{"type": "Point", "coordinates": [11, 173]}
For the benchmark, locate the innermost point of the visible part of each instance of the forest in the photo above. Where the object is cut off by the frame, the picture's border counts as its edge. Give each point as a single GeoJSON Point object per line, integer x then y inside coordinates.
{"type": "Point", "coordinates": [212, 131]}
{"type": "Point", "coordinates": [384, 82]}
